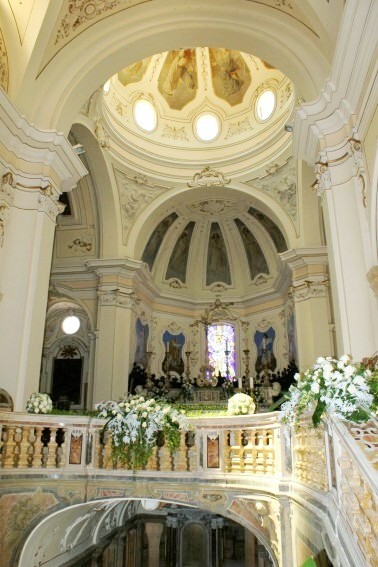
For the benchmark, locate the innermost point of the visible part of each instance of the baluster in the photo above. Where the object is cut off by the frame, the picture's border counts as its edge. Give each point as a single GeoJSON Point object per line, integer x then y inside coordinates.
{"type": "Point", "coordinates": [61, 450]}
{"type": "Point", "coordinates": [180, 460]}
{"type": "Point", "coordinates": [52, 449]}
{"type": "Point", "coordinates": [38, 447]}
{"type": "Point", "coordinates": [227, 450]}
{"type": "Point", "coordinates": [3, 437]}
{"type": "Point", "coordinates": [165, 459]}
{"type": "Point", "coordinates": [9, 448]}
{"type": "Point", "coordinates": [269, 461]}
{"type": "Point", "coordinates": [235, 452]}
{"type": "Point", "coordinates": [108, 461]}
{"type": "Point", "coordinates": [98, 450]}
{"type": "Point", "coordinates": [152, 464]}
{"type": "Point", "coordinates": [260, 457]}
{"type": "Point", "coordinates": [248, 452]}
{"type": "Point", "coordinates": [26, 447]}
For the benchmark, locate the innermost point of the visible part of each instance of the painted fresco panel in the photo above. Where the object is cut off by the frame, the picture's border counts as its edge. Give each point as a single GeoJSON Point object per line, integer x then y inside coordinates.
{"type": "Point", "coordinates": [264, 342]}
{"type": "Point", "coordinates": [230, 73]}
{"type": "Point", "coordinates": [256, 259]}
{"type": "Point", "coordinates": [218, 268]}
{"type": "Point", "coordinates": [142, 332]}
{"type": "Point", "coordinates": [178, 81]}
{"type": "Point", "coordinates": [179, 259]}
{"type": "Point", "coordinates": [173, 361]}
{"type": "Point", "coordinates": [156, 238]}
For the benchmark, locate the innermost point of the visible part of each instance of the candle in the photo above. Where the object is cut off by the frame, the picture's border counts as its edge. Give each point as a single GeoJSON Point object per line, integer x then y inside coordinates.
{"type": "Point", "coordinates": [167, 343]}
{"type": "Point", "coordinates": [251, 382]}
{"type": "Point", "coordinates": [240, 383]}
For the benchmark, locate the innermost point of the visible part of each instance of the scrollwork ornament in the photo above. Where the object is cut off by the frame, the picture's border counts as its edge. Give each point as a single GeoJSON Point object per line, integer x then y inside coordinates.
{"type": "Point", "coordinates": [52, 208]}
{"type": "Point", "coordinates": [323, 178]}
{"type": "Point", "coordinates": [207, 178]}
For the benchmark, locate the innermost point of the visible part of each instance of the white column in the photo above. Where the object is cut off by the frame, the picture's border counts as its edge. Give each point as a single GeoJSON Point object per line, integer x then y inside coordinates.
{"type": "Point", "coordinates": [348, 239]}
{"type": "Point", "coordinates": [115, 323]}
{"type": "Point", "coordinates": [309, 293]}
{"type": "Point", "coordinates": [38, 168]}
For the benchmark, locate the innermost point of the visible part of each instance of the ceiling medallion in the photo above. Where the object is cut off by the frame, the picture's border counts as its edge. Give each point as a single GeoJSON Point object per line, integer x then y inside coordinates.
{"type": "Point", "coordinates": [212, 206]}
{"type": "Point", "coordinates": [208, 177]}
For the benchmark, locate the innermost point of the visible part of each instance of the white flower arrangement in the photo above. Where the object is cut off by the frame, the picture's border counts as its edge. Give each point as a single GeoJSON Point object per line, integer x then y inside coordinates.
{"type": "Point", "coordinates": [135, 424]}
{"type": "Point", "coordinates": [337, 387]}
{"type": "Point", "coordinates": [241, 404]}
{"type": "Point", "coordinates": [39, 403]}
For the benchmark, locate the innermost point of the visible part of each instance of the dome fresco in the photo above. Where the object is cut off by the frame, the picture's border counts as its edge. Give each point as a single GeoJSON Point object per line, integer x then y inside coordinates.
{"type": "Point", "coordinates": [247, 103]}
{"type": "Point", "coordinates": [233, 248]}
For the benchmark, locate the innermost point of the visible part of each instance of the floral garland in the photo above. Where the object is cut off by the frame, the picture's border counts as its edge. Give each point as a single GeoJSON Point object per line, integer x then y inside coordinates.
{"type": "Point", "coordinates": [338, 387]}
{"type": "Point", "coordinates": [241, 404]}
{"type": "Point", "coordinates": [137, 425]}
{"type": "Point", "coordinates": [39, 403]}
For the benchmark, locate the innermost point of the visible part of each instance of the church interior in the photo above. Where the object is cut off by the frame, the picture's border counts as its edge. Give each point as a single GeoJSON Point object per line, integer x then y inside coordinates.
{"type": "Point", "coordinates": [191, 184]}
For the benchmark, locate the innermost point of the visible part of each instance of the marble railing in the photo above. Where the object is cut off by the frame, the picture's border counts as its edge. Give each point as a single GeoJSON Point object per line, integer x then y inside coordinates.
{"type": "Point", "coordinates": [230, 445]}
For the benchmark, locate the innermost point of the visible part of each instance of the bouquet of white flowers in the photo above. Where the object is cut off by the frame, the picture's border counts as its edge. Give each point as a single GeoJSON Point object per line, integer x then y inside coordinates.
{"type": "Point", "coordinates": [39, 403]}
{"type": "Point", "coordinates": [241, 404]}
{"type": "Point", "coordinates": [337, 387]}
{"type": "Point", "coordinates": [135, 424]}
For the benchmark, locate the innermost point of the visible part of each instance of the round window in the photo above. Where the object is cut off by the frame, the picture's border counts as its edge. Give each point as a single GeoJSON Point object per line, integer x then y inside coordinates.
{"type": "Point", "coordinates": [145, 115]}
{"type": "Point", "coordinates": [265, 105]}
{"type": "Point", "coordinates": [70, 324]}
{"type": "Point", "coordinates": [207, 127]}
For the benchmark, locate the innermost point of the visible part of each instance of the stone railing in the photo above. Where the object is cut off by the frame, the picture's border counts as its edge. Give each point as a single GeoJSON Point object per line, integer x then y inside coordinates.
{"type": "Point", "coordinates": [221, 445]}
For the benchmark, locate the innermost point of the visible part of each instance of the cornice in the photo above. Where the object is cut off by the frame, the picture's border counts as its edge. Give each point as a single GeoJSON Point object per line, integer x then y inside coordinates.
{"type": "Point", "coordinates": [35, 156]}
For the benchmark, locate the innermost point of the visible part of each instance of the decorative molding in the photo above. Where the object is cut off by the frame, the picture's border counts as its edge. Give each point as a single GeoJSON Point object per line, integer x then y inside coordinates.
{"type": "Point", "coordinates": [208, 178]}
{"type": "Point", "coordinates": [323, 178]}
{"type": "Point", "coordinates": [81, 12]}
{"type": "Point", "coordinates": [211, 206]}
{"type": "Point", "coordinates": [4, 65]}
{"type": "Point", "coordinates": [218, 288]}
{"type": "Point", "coordinates": [175, 133]}
{"type": "Point", "coordinates": [135, 193]}
{"type": "Point", "coordinates": [280, 181]}
{"type": "Point", "coordinates": [6, 201]}
{"type": "Point", "coordinates": [174, 327]}
{"type": "Point", "coordinates": [50, 206]}
{"type": "Point", "coordinates": [118, 298]}
{"type": "Point", "coordinates": [308, 290]}
{"type": "Point", "coordinates": [263, 325]}
{"type": "Point", "coordinates": [355, 148]}
{"type": "Point", "coordinates": [82, 244]}
{"type": "Point", "coordinates": [260, 280]}
{"type": "Point", "coordinates": [238, 127]}
{"type": "Point", "coordinates": [101, 134]}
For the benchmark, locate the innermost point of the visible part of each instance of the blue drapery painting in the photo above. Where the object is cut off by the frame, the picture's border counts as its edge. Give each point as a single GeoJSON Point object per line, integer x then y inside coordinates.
{"type": "Point", "coordinates": [264, 342]}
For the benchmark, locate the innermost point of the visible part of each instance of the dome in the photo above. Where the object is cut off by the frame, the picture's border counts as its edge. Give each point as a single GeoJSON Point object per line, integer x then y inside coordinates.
{"type": "Point", "coordinates": [215, 244]}
{"type": "Point", "coordinates": [208, 104]}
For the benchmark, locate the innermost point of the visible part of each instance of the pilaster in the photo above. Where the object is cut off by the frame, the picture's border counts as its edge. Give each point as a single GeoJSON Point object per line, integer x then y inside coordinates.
{"type": "Point", "coordinates": [37, 166]}
{"type": "Point", "coordinates": [309, 294]}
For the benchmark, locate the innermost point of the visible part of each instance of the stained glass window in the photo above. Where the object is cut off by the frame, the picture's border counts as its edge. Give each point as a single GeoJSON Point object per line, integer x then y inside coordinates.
{"type": "Point", "coordinates": [221, 338]}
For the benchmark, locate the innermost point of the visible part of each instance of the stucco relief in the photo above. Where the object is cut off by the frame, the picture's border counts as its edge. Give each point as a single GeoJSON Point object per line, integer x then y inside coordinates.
{"type": "Point", "coordinates": [77, 15]}
{"type": "Point", "coordinates": [211, 206]}
{"type": "Point", "coordinates": [82, 244]}
{"type": "Point", "coordinates": [280, 181]}
{"type": "Point", "coordinates": [208, 177]}
{"type": "Point", "coordinates": [135, 193]}
{"type": "Point", "coordinates": [238, 127]}
{"type": "Point", "coordinates": [175, 133]}
{"type": "Point", "coordinates": [4, 66]}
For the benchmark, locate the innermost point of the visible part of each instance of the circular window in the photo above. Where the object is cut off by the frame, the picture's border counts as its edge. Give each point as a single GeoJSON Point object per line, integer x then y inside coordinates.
{"type": "Point", "coordinates": [207, 127]}
{"type": "Point", "coordinates": [70, 324]}
{"type": "Point", "coordinates": [106, 87]}
{"type": "Point", "coordinates": [265, 105]}
{"type": "Point", "coordinates": [145, 115]}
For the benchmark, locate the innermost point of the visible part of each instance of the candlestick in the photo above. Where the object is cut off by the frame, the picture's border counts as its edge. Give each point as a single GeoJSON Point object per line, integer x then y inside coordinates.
{"type": "Point", "coordinates": [240, 383]}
